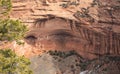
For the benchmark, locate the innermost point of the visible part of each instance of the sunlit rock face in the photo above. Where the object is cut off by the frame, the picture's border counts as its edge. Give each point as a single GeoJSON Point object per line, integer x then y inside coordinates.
{"type": "Point", "coordinates": [53, 34]}
{"type": "Point", "coordinates": [64, 35]}
{"type": "Point", "coordinates": [96, 34]}
{"type": "Point", "coordinates": [53, 27]}
{"type": "Point", "coordinates": [61, 35]}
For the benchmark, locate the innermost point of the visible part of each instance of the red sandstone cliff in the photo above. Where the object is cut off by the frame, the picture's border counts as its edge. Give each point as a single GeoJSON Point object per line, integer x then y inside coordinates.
{"type": "Point", "coordinates": [90, 27]}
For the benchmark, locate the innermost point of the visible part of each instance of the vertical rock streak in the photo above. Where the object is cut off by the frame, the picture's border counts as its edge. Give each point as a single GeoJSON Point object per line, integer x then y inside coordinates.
{"type": "Point", "coordinates": [105, 44]}
{"type": "Point", "coordinates": [108, 43]}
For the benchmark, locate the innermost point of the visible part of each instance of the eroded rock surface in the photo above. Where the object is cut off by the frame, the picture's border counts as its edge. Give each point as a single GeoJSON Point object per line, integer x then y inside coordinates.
{"type": "Point", "coordinates": [90, 27]}
{"type": "Point", "coordinates": [55, 64]}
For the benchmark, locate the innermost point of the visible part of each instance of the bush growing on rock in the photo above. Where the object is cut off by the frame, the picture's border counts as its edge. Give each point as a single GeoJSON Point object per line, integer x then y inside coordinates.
{"type": "Point", "coordinates": [11, 30]}
{"type": "Point", "coordinates": [10, 63]}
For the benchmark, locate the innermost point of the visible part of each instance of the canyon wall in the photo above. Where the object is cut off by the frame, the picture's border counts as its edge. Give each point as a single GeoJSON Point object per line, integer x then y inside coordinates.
{"type": "Point", "coordinates": [96, 20]}
{"type": "Point", "coordinates": [89, 27]}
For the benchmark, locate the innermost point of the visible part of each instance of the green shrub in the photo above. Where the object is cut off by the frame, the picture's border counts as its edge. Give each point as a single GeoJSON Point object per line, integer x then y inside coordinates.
{"type": "Point", "coordinates": [10, 63]}
{"type": "Point", "coordinates": [11, 30]}
{"type": "Point", "coordinates": [5, 6]}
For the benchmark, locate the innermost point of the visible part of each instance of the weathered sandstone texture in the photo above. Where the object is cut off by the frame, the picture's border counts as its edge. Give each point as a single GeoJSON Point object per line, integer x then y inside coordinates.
{"type": "Point", "coordinates": [89, 27]}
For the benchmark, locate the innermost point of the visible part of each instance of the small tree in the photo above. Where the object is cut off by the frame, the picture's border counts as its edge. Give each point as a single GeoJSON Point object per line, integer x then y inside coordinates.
{"type": "Point", "coordinates": [11, 30]}
{"type": "Point", "coordinates": [10, 63]}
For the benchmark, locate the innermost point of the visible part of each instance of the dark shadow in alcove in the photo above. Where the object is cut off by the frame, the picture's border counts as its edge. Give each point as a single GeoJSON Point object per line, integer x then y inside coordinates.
{"type": "Point", "coordinates": [30, 39]}
{"type": "Point", "coordinates": [101, 44]}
